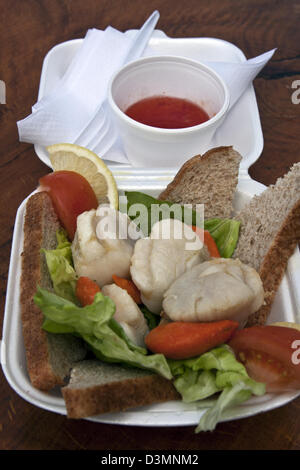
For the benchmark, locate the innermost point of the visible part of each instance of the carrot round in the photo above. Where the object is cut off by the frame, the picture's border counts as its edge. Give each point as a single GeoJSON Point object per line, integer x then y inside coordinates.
{"type": "Point", "coordinates": [208, 241]}
{"type": "Point", "coordinates": [86, 289]}
{"type": "Point", "coordinates": [183, 340]}
{"type": "Point", "coordinates": [128, 285]}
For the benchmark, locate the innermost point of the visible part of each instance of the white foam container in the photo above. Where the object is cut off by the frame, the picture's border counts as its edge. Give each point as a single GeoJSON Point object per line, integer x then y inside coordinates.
{"type": "Point", "coordinates": [242, 127]}
{"type": "Point", "coordinates": [285, 308]}
{"type": "Point", "coordinates": [246, 136]}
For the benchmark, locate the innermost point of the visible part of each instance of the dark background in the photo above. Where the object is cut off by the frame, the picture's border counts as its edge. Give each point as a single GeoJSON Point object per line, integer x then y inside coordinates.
{"type": "Point", "coordinates": [28, 30]}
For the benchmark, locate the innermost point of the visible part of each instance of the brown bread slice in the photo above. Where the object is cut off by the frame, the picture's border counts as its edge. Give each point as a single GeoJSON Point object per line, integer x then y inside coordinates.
{"type": "Point", "coordinates": [49, 357]}
{"type": "Point", "coordinates": [269, 234]}
{"type": "Point", "coordinates": [208, 179]}
{"type": "Point", "coordinates": [96, 387]}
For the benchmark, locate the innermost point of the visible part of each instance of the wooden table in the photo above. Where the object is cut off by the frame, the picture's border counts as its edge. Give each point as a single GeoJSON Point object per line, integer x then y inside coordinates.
{"type": "Point", "coordinates": [28, 30]}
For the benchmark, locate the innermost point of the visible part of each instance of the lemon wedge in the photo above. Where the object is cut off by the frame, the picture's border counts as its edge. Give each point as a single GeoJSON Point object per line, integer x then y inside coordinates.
{"type": "Point", "coordinates": [72, 157]}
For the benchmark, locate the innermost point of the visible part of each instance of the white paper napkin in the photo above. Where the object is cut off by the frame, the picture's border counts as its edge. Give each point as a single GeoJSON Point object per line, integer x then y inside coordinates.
{"type": "Point", "coordinates": [76, 106]}
{"type": "Point", "coordinates": [76, 110]}
{"type": "Point", "coordinates": [238, 76]}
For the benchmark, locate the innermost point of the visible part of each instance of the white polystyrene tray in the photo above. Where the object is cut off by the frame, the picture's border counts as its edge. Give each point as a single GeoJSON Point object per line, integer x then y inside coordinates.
{"type": "Point", "coordinates": [285, 308]}
{"type": "Point", "coordinates": [242, 127]}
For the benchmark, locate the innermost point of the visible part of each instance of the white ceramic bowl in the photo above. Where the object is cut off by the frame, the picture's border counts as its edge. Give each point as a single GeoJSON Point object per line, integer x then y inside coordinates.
{"type": "Point", "coordinates": [148, 146]}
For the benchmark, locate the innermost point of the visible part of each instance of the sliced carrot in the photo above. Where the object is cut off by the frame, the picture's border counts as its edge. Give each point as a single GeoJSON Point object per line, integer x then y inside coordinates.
{"type": "Point", "coordinates": [208, 241]}
{"type": "Point", "coordinates": [86, 289]}
{"type": "Point", "coordinates": [128, 285]}
{"type": "Point", "coordinates": [183, 340]}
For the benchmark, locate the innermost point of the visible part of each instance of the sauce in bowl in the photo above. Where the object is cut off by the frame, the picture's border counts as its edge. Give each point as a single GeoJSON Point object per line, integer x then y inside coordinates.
{"type": "Point", "coordinates": [167, 112]}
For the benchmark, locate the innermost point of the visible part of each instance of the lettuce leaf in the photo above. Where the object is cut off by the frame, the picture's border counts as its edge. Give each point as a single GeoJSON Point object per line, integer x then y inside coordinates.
{"type": "Point", "coordinates": [60, 267]}
{"type": "Point", "coordinates": [152, 319]}
{"type": "Point", "coordinates": [225, 232]}
{"type": "Point", "coordinates": [214, 371]}
{"type": "Point", "coordinates": [227, 400]}
{"type": "Point", "coordinates": [194, 386]}
{"type": "Point", "coordinates": [94, 323]}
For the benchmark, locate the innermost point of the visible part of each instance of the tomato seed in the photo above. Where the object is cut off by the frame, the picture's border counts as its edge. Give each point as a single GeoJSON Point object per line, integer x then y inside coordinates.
{"type": "Point", "coordinates": [242, 356]}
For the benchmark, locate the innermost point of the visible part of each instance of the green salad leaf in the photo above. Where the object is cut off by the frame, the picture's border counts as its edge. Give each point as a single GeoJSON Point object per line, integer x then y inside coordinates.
{"type": "Point", "coordinates": [152, 319]}
{"type": "Point", "coordinates": [94, 323]}
{"type": "Point", "coordinates": [60, 266]}
{"type": "Point", "coordinates": [214, 371]}
{"type": "Point", "coordinates": [225, 231]}
{"type": "Point", "coordinates": [225, 404]}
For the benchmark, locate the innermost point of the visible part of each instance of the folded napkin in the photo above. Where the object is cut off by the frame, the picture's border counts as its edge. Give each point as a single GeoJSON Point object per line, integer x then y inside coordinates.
{"type": "Point", "coordinates": [76, 110]}
{"type": "Point", "coordinates": [238, 76]}
{"type": "Point", "coordinates": [61, 116]}
{"type": "Point", "coordinates": [76, 107]}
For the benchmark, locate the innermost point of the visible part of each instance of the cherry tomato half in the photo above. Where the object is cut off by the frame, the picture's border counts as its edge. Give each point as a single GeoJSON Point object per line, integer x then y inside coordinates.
{"type": "Point", "coordinates": [271, 354]}
{"type": "Point", "coordinates": [71, 194]}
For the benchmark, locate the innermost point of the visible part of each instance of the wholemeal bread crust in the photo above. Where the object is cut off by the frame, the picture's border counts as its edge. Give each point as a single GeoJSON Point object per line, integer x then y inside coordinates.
{"type": "Point", "coordinates": [40, 371]}
{"type": "Point", "coordinates": [115, 397]}
{"type": "Point", "coordinates": [193, 163]}
{"type": "Point", "coordinates": [274, 264]}
{"type": "Point", "coordinates": [164, 195]}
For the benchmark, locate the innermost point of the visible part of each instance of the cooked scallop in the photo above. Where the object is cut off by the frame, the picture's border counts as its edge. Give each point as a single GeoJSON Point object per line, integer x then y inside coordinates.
{"type": "Point", "coordinates": [215, 290]}
{"type": "Point", "coordinates": [101, 246]}
{"type": "Point", "coordinates": [127, 314]}
{"type": "Point", "coordinates": [172, 249]}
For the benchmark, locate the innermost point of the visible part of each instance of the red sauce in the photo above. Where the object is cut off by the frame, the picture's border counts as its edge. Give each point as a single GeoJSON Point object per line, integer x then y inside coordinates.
{"type": "Point", "coordinates": [167, 112]}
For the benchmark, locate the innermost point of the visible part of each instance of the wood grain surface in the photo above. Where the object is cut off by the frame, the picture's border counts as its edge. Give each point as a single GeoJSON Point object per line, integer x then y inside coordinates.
{"type": "Point", "coordinates": [28, 30]}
